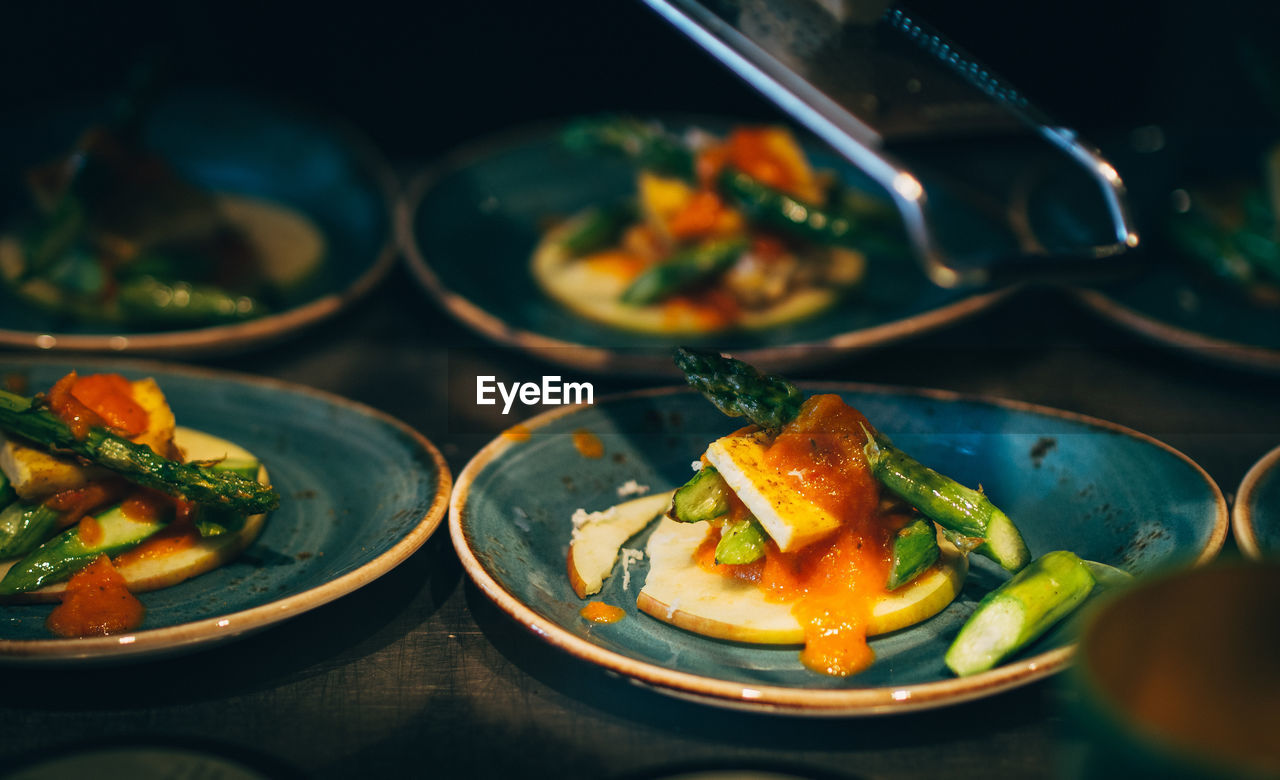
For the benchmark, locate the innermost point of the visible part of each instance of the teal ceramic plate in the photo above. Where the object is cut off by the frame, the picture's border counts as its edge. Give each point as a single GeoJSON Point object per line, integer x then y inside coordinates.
{"type": "Point", "coordinates": [1105, 492]}
{"type": "Point", "coordinates": [1170, 307]}
{"type": "Point", "coordinates": [469, 226]}
{"type": "Point", "coordinates": [359, 492]}
{"type": "Point", "coordinates": [1255, 516]}
{"type": "Point", "coordinates": [236, 144]}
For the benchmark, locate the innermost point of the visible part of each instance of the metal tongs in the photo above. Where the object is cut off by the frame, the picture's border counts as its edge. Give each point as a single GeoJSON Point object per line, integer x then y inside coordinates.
{"type": "Point", "coordinates": [989, 189]}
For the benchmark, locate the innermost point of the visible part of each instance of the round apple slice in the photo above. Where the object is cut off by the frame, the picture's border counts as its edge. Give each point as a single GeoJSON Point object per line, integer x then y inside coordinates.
{"type": "Point", "coordinates": [165, 559]}
{"type": "Point", "coordinates": [679, 592]}
{"type": "Point", "coordinates": [598, 536]}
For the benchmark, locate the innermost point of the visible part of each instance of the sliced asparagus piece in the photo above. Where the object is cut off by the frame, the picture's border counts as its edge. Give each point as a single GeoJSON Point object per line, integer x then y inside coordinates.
{"type": "Point", "coordinates": [947, 502]}
{"type": "Point", "coordinates": [1019, 611]}
{"type": "Point", "coordinates": [738, 389]}
{"type": "Point", "coordinates": [704, 497]}
{"type": "Point", "coordinates": [24, 526]}
{"type": "Point", "coordinates": [22, 416]}
{"type": "Point", "coordinates": [915, 548]}
{"type": "Point", "coordinates": [67, 553]}
{"type": "Point", "coordinates": [742, 541]}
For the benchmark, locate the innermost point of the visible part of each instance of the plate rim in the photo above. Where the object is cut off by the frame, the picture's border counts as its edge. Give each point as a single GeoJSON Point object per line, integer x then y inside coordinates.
{"type": "Point", "coordinates": [235, 337]}
{"type": "Point", "coordinates": [781, 699]}
{"type": "Point", "coordinates": [192, 635]}
{"type": "Point", "coordinates": [1242, 526]}
{"type": "Point", "coordinates": [603, 359]}
{"type": "Point", "coordinates": [1218, 350]}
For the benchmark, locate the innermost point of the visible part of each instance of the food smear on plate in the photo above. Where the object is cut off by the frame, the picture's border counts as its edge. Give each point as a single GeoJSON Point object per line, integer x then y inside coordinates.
{"type": "Point", "coordinates": [588, 444]}
{"type": "Point", "coordinates": [809, 527]}
{"type": "Point", "coordinates": [103, 495]}
{"type": "Point", "coordinates": [115, 234]}
{"type": "Point", "coordinates": [739, 232]}
{"type": "Point", "coordinates": [600, 612]}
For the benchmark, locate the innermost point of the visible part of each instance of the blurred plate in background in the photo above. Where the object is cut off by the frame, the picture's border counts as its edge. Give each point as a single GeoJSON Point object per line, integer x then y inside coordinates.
{"type": "Point", "coordinates": [468, 228]}
{"type": "Point", "coordinates": [230, 143]}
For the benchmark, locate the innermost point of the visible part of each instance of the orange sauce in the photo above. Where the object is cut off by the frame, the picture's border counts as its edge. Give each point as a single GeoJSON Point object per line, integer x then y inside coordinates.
{"type": "Point", "coordinates": [588, 444]}
{"type": "Point", "coordinates": [89, 531]}
{"type": "Point", "coordinates": [711, 309]}
{"type": "Point", "coordinates": [706, 214]}
{"type": "Point", "coordinates": [599, 612]}
{"type": "Point", "coordinates": [174, 538]}
{"type": "Point", "coordinates": [617, 262]}
{"type": "Point", "coordinates": [97, 602]}
{"type": "Point", "coordinates": [78, 502]}
{"type": "Point", "coordinates": [110, 396]}
{"type": "Point", "coordinates": [145, 505]}
{"type": "Point", "coordinates": [517, 433]}
{"type": "Point", "coordinates": [834, 582]}
{"type": "Point", "coordinates": [66, 407]}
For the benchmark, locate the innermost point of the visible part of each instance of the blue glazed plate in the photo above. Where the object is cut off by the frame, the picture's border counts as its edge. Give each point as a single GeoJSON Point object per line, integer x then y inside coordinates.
{"type": "Point", "coordinates": [1255, 516]}
{"type": "Point", "coordinates": [359, 492]}
{"type": "Point", "coordinates": [1070, 482]}
{"type": "Point", "coordinates": [468, 228]}
{"type": "Point", "coordinates": [230, 143]}
{"type": "Point", "coordinates": [1168, 306]}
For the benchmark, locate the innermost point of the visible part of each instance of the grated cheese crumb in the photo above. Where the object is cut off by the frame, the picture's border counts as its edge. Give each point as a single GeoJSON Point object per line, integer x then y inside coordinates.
{"type": "Point", "coordinates": [632, 488]}
{"type": "Point", "coordinates": [582, 517]}
{"type": "Point", "coordinates": [697, 465]}
{"type": "Point", "coordinates": [629, 556]}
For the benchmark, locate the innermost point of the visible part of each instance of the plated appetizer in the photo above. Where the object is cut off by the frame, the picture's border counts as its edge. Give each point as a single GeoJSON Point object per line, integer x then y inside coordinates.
{"type": "Point", "coordinates": [103, 496]}
{"type": "Point", "coordinates": [114, 234]}
{"type": "Point", "coordinates": [809, 527]}
{"type": "Point", "coordinates": [739, 232]}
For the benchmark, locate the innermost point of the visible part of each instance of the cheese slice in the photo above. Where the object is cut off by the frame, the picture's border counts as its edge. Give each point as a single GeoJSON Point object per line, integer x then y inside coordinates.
{"type": "Point", "coordinates": [791, 520]}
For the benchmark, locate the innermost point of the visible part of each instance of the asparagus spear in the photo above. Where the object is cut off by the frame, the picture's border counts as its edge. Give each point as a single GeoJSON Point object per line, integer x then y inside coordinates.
{"type": "Point", "coordinates": [682, 270]}
{"type": "Point", "coordinates": [947, 502]}
{"type": "Point", "coordinates": [738, 389]}
{"type": "Point", "coordinates": [1019, 611]}
{"type": "Point", "coordinates": [138, 463]}
{"type": "Point", "coordinates": [915, 548]}
{"type": "Point", "coordinates": [595, 228]}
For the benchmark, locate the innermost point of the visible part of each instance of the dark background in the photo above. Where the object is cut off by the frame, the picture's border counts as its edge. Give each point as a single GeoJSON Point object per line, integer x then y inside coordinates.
{"type": "Point", "coordinates": [420, 78]}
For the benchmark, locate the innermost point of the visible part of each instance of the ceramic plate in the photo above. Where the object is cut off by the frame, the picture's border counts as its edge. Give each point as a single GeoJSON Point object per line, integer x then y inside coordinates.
{"type": "Point", "coordinates": [359, 492]}
{"type": "Point", "coordinates": [235, 144]}
{"type": "Point", "coordinates": [1107, 493]}
{"type": "Point", "coordinates": [1168, 302]}
{"type": "Point", "coordinates": [1255, 516]}
{"type": "Point", "coordinates": [1168, 306]}
{"type": "Point", "coordinates": [469, 226]}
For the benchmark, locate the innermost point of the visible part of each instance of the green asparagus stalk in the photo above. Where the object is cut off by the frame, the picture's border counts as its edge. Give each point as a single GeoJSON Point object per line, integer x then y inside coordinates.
{"type": "Point", "coordinates": [738, 389]}
{"type": "Point", "coordinates": [683, 270]}
{"type": "Point", "coordinates": [148, 299]}
{"type": "Point", "coordinates": [947, 502]}
{"type": "Point", "coordinates": [773, 208]}
{"type": "Point", "coordinates": [915, 548]}
{"type": "Point", "coordinates": [1019, 611]}
{"type": "Point", "coordinates": [138, 463]}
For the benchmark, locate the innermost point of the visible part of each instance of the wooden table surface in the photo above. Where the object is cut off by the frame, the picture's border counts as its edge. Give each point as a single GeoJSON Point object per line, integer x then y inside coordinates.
{"type": "Point", "coordinates": [419, 674]}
